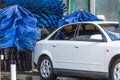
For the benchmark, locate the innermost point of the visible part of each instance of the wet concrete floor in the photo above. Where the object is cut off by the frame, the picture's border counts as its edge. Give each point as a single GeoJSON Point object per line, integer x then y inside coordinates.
{"type": "Point", "coordinates": [29, 76]}
{"type": "Point", "coordinates": [32, 76]}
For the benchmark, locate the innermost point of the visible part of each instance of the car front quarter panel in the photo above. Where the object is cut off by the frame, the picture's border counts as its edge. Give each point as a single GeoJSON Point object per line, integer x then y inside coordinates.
{"type": "Point", "coordinates": [46, 53]}
{"type": "Point", "coordinates": [110, 56]}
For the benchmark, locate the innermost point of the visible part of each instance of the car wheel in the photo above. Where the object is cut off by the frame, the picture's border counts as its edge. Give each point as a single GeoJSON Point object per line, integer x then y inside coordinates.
{"type": "Point", "coordinates": [115, 70]}
{"type": "Point", "coordinates": [45, 68]}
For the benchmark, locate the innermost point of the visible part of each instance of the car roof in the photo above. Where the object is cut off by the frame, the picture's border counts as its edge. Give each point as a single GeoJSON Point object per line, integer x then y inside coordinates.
{"type": "Point", "coordinates": [103, 22]}
{"type": "Point", "coordinates": [94, 22]}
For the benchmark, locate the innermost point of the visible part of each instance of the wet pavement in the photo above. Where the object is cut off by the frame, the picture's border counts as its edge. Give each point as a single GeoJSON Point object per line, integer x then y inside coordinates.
{"type": "Point", "coordinates": [36, 78]}
{"type": "Point", "coordinates": [29, 76]}
{"type": "Point", "coordinates": [32, 76]}
{"type": "Point", "coordinates": [22, 77]}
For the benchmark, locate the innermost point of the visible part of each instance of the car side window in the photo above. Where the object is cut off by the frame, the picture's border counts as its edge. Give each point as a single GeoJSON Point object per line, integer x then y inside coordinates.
{"type": "Point", "coordinates": [88, 32]}
{"type": "Point", "coordinates": [66, 33]}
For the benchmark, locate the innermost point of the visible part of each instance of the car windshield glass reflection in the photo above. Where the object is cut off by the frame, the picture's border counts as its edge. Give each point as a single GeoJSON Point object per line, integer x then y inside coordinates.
{"type": "Point", "coordinates": [112, 30]}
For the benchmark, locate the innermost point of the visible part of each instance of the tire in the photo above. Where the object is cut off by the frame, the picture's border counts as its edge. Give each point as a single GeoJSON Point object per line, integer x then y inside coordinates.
{"type": "Point", "coordinates": [45, 68]}
{"type": "Point", "coordinates": [115, 70]}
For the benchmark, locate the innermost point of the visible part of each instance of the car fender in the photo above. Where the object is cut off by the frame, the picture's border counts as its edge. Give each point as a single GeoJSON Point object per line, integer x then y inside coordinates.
{"type": "Point", "coordinates": [109, 57]}
{"type": "Point", "coordinates": [47, 53]}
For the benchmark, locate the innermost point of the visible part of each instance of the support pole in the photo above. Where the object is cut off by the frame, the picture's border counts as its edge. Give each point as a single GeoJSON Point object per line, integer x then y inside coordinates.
{"type": "Point", "coordinates": [13, 67]}
{"type": "Point", "coordinates": [72, 5]}
{"type": "Point", "coordinates": [0, 67]}
{"type": "Point", "coordinates": [86, 3]}
{"type": "Point", "coordinates": [119, 20]}
{"type": "Point", "coordinates": [1, 58]}
{"type": "Point", "coordinates": [13, 71]}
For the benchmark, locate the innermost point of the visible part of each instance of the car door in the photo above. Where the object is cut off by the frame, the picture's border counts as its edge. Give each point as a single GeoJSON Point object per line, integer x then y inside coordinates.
{"type": "Point", "coordinates": [89, 49]}
{"type": "Point", "coordinates": [62, 45]}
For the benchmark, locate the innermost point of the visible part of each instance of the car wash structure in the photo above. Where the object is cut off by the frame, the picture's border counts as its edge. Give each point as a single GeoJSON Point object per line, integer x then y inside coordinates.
{"type": "Point", "coordinates": [19, 30]}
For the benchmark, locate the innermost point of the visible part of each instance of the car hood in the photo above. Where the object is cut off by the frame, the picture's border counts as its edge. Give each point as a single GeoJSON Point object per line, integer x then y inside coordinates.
{"type": "Point", "coordinates": [115, 43]}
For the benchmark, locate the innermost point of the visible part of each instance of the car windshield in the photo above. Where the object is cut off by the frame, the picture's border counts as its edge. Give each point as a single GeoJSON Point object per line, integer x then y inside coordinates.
{"type": "Point", "coordinates": [112, 30]}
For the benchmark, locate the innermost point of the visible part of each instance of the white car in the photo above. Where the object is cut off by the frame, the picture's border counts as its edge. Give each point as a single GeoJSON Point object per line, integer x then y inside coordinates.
{"type": "Point", "coordinates": [83, 49]}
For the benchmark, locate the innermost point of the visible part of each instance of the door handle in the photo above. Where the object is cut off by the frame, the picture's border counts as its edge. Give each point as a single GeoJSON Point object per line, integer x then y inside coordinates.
{"type": "Point", "coordinates": [76, 46]}
{"type": "Point", "coordinates": [54, 45]}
